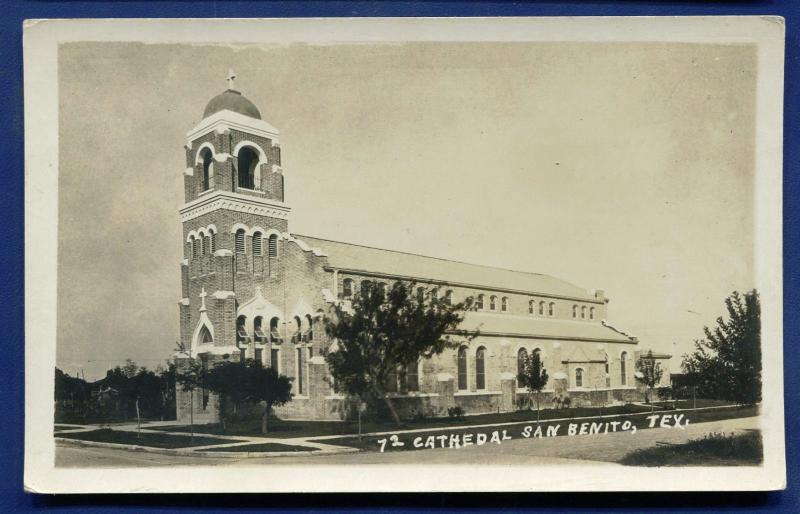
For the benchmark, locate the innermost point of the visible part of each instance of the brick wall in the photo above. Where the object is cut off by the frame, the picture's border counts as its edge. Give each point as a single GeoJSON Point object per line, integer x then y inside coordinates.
{"type": "Point", "coordinates": [225, 173]}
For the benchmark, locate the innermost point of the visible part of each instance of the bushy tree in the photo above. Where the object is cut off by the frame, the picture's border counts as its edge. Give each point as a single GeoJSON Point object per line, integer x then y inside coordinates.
{"type": "Point", "coordinates": [383, 331]}
{"type": "Point", "coordinates": [191, 375]}
{"type": "Point", "coordinates": [270, 388]}
{"type": "Point", "coordinates": [727, 363]}
{"type": "Point", "coordinates": [650, 373]}
{"type": "Point", "coordinates": [249, 381]}
{"type": "Point", "coordinates": [533, 377]}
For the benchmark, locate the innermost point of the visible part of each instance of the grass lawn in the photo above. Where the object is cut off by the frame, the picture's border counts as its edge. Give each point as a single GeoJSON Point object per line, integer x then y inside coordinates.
{"type": "Point", "coordinates": [282, 428]}
{"type": "Point", "coordinates": [373, 443]}
{"type": "Point", "coordinates": [713, 450]}
{"type": "Point", "coordinates": [107, 435]}
{"type": "Point", "coordinates": [264, 447]}
{"type": "Point", "coordinates": [689, 404]}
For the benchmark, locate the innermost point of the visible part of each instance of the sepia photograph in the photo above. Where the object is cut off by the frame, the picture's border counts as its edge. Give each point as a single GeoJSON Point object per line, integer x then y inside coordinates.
{"type": "Point", "coordinates": [389, 254]}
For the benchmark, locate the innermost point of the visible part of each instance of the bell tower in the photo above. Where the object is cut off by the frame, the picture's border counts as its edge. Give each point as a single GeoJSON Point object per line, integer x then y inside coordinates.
{"type": "Point", "coordinates": [234, 222]}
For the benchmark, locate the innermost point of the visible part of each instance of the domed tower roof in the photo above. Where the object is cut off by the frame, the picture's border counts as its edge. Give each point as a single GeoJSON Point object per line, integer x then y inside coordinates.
{"type": "Point", "coordinates": [231, 100]}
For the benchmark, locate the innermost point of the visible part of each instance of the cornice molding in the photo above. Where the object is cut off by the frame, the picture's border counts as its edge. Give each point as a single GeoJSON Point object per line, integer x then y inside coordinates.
{"type": "Point", "coordinates": [483, 288]}
{"type": "Point", "coordinates": [226, 120]}
{"type": "Point", "coordinates": [234, 202]}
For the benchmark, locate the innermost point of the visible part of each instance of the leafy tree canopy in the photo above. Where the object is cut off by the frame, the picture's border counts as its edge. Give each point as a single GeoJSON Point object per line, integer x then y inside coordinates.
{"type": "Point", "coordinates": [727, 363]}
{"type": "Point", "coordinates": [382, 332]}
{"type": "Point", "coordinates": [650, 372]}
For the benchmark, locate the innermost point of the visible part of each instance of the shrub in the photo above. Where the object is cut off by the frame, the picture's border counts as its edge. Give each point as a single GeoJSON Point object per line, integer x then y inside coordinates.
{"type": "Point", "coordinates": [455, 412]}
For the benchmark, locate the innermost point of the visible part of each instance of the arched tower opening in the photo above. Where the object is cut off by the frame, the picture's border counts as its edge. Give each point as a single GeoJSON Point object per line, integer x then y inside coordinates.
{"type": "Point", "coordinates": [247, 161]}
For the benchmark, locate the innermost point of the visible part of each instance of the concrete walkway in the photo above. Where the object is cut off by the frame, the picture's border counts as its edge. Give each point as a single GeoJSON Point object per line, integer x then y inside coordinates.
{"type": "Point", "coordinates": [585, 450]}
{"type": "Point", "coordinates": [317, 443]}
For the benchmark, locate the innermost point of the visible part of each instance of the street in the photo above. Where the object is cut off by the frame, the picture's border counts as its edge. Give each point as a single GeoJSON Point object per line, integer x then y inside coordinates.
{"type": "Point", "coordinates": [585, 449]}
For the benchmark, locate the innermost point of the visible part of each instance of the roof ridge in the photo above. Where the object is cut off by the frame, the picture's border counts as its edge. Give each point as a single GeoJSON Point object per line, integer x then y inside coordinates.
{"type": "Point", "coordinates": [439, 258]}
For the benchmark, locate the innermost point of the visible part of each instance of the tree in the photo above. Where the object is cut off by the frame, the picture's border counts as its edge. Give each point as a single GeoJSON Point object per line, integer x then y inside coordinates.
{"type": "Point", "coordinates": [727, 363]}
{"type": "Point", "coordinates": [191, 375]}
{"type": "Point", "coordinates": [248, 381]}
{"type": "Point", "coordinates": [383, 332]}
{"type": "Point", "coordinates": [650, 373]}
{"type": "Point", "coordinates": [228, 379]}
{"type": "Point", "coordinates": [268, 386]}
{"type": "Point", "coordinates": [533, 377]}
{"type": "Point", "coordinates": [166, 378]}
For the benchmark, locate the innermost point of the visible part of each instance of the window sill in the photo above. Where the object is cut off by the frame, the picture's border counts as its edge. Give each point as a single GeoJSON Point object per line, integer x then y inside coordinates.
{"type": "Point", "coordinates": [257, 191]}
{"type": "Point", "coordinates": [206, 192]}
{"type": "Point", "coordinates": [413, 395]}
{"type": "Point", "coordinates": [476, 393]}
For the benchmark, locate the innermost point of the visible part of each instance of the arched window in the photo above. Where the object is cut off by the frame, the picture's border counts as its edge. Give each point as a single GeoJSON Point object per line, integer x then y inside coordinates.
{"type": "Point", "coordinates": [574, 311]}
{"type": "Point", "coordinates": [541, 308]}
{"type": "Point", "coordinates": [207, 245]}
{"type": "Point", "coordinates": [241, 329]}
{"type": "Point", "coordinates": [274, 332]}
{"type": "Point", "coordinates": [479, 303]}
{"type": "Point", "coordinates": [492, 302]}
{"type": "Point", "coordinates": [531, 306]}
{"type": "Point", "coordinates": [347, 288]}
{"type": "Point", "coordinates": [238, 242]}
{"type": "Point", "coordinates": [258, 329]}
{"type": "Point", "coordinates": [310, 331]}
{"type": "Point", "coordinates": [257, 244]}
{"type": "Point", "coordinates": [365, 287]}
{"type": "Point", "coordinates": [435, 294]}
{"type": "Point", "coordinates": [522, 359]}
{"type": "Point", "coordinates": [551, 311]}
{"type": "Point", "coordinates": [448, 298]}
{"type": "Point", "coordinates": [298, 325]}
{"type": "Point", "coordinates": [247, 162]}
{"type": "Point", "coordinates": [272, 245]}
{"type": "Point", "coordinates": [212, 241]}
{"type": "Point", "coordinates": [201, 243]}
{"type": "Point", "coordinates": [480, 368]}
{"type": "Point", "coordinates": [583, 312]}
{"type": "Point", "coordinates": [623, 368]}
{"type": "Point", "coordinates": [591, 313]}
{"type": "Point", "coordinates": [193, 242]}
{"type": "Point", "coordinates": [579, 377]}
{"type": "Point", "coordinates": [462, 368]}
{"type": "Point", "coordinates": [381, 288]}
{"type": "Point", "coordinates": [205, 335]}
{"type": "Point", "coordinates": [208, 169]}
{"type": "Point", "coordinates": [504, 304]}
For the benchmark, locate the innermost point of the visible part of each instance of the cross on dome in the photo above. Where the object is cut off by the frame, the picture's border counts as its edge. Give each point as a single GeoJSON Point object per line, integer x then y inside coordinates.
{"type": "Point", "coordinates": [230, 78]}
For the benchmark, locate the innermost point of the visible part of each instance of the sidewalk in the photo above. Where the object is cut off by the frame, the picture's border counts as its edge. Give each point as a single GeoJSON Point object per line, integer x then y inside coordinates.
{"type": "Point", "coordinates": [317, 444]}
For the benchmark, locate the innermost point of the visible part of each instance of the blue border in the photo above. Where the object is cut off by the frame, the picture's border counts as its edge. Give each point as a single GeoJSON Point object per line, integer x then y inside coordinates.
{"type": "Point", "coordinates": [12, 497]}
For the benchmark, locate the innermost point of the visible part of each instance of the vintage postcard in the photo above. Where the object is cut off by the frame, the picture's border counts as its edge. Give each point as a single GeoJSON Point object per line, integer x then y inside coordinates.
{"type": "Point", "coordinates": [389, 254]}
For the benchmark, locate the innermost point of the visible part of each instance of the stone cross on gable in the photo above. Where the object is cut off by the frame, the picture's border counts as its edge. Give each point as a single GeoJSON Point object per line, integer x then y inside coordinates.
{"type": "Point", "coordinates": [203, 295]}
{"type": "Point", "coordinates": [230, 78]}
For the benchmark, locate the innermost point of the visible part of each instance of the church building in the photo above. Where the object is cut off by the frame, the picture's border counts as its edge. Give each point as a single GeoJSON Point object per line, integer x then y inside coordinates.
{"type": "Point", "coordinates": [251, 288]}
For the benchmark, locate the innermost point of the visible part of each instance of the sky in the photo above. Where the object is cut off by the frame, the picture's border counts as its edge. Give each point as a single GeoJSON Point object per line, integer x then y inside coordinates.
{"type": "Point", "coordinates": [626, 167]}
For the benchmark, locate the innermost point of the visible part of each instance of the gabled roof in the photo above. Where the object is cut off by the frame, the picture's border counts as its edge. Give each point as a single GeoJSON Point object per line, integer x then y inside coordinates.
{"type": "Point", "coordinates": [509, 325]}
{"type": "Point", "coordinates": [357, 258]}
